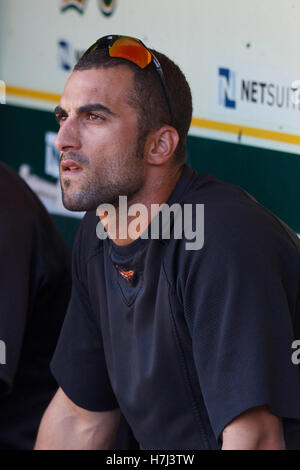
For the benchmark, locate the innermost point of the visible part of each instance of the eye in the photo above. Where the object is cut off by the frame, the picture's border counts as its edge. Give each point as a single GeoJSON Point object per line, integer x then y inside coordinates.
{"type": "Point", "coordinates": [94, 117]}
{"type": "Point", "coordinates": [60, 118]}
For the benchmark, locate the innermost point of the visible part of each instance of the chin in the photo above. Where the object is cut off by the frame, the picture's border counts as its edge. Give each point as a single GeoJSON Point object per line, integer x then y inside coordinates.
{"type": "Point", "coordinates": [77, 202]}
{"type": "Point", "coordinates": [73, 207]}
{"type": "Point", "coordinates": [71, 203]}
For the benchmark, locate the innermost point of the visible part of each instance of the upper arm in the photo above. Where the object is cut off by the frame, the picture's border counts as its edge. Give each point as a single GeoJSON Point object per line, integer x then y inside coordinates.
{"type": "Point", "coordinates": [79, 362]}
{"type": "Point", "coordinates": [255, 429]}
{"type": "Point", "coordinates": [240, 296]}
{"type": "Point", "coordinates": [66, 425]}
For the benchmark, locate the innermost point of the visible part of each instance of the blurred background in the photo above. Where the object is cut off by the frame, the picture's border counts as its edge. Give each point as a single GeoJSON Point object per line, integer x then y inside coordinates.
{"type": "Point", "coordinates": [241, 58]}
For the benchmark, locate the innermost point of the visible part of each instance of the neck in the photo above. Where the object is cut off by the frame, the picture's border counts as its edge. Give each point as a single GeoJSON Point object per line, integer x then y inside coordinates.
{"type": "Point", "coordinates": [132, 216]}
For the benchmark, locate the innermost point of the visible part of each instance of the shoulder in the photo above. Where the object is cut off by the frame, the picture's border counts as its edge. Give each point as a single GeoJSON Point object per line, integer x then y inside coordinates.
{"type": "Point", "coordinates": [233, 227]}
{"type": "Point", "coordinates": [231, 214]}
{"type": "Point", "coordinates": [22, 214]}
{"type": "Point", "coordinates": [86, 244]}
{"type": "Point", "coordinates": [87, 236]}
{"type": "Point", "coordinates": [27, 230]}
{"type": "Point", "coordinates": [15, 194]}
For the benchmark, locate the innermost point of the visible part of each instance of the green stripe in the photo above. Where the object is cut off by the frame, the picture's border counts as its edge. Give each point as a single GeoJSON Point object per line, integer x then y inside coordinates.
{"type": "Point", "coordinates": [272, 177]}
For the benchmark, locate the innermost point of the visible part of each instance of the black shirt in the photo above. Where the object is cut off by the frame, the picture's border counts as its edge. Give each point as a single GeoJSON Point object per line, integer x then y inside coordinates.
{"type": "Point", "coordinates": [195, 337]}
{"type": "Point", "coordinates": [35, 284]}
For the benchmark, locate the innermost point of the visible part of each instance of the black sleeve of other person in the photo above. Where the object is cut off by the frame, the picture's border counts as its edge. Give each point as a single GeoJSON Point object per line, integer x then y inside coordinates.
{"type": "Point", "coordinates": [34, 292]}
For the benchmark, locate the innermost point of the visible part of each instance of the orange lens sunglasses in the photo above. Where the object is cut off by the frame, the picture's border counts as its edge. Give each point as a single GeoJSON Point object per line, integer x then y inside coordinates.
{"type": "Point", "coordinates": [132, 49]}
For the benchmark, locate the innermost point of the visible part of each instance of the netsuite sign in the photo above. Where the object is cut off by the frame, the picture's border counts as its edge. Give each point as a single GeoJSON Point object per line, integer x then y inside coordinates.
{"type": "Point", "coordinates": [227, 88]}
{"type": "Point", "coordinates": [264, 95]}
{"type": "Point", "coordinates": [67, 55]}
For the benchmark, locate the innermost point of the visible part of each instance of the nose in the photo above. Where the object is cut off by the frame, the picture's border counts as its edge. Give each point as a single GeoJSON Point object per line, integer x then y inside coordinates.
{"type": "Point", "coordinates": [68, 137]}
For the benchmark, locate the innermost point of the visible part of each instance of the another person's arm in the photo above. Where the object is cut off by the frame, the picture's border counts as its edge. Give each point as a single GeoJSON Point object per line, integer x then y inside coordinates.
{"type": "Point", "coordinates": [255, 429]}
{"type": "Point", "coordinates": [68, 426]}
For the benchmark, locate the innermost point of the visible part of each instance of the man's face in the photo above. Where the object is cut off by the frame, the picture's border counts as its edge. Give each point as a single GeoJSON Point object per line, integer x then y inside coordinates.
{"type": "Point", "coordinates": [98, 139]}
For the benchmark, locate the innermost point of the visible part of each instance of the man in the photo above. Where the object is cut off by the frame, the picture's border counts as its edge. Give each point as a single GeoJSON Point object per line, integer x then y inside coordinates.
{"type": "Point", "coordinates": [192, 346]}
{"type": "Point", "coordinates": [35, 286]}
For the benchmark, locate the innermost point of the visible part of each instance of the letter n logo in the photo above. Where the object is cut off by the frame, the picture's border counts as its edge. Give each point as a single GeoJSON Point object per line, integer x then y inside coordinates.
{"type": "Point", "coordinates": [227, 87]}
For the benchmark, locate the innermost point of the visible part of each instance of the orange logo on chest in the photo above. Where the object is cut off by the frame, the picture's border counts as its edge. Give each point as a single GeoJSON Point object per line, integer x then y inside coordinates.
{"type": "Point", "coordinates": [127, 275]}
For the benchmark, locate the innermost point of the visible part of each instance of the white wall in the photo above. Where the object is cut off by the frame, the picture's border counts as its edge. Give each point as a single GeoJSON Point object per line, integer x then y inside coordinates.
{"type": "Point", "coordinates": [258, 39]}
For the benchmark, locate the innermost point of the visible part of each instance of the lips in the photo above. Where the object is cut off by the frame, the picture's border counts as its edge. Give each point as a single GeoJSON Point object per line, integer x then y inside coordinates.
{"type": "Point", "coordinates": [70, 166]}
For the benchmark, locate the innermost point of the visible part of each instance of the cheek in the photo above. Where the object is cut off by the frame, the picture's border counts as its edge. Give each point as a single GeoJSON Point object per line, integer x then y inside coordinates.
{"type": "Point", "coordinates": [115, 143]}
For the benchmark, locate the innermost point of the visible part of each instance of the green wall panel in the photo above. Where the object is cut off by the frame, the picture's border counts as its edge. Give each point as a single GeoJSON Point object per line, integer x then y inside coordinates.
{"type": "Point", "coordinates": [23, 137]}
{"type": "Point", "coordinates": [272, 177]}
{"type": "Point", "coordinates": [22, 140]}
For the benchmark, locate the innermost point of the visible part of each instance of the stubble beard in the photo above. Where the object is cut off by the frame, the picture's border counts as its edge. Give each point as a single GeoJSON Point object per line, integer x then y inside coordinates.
{"type": "Point", "coordinates": [103, 185]}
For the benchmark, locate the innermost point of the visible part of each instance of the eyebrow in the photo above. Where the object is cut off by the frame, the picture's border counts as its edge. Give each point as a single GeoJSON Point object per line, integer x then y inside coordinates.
{"type": "Point", "coordinates": [87, 108]}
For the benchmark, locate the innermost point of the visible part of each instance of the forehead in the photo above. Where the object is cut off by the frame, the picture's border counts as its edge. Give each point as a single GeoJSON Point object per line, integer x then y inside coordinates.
{"type": "Point", "coordinates": [110, 86]}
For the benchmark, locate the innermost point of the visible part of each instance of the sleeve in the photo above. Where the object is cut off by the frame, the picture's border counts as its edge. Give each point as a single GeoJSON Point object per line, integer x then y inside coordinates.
{"type": "Point", "coordinates": [78, 363]}
{"type": "Point", "coordinates": [240, 296]}
{"type": "Point", "coordinates": [16, 251]}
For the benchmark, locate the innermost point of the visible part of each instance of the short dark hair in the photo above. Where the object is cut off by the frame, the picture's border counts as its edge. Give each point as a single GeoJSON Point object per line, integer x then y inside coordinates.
{"type": "Point", "coordinates": [148, 95]}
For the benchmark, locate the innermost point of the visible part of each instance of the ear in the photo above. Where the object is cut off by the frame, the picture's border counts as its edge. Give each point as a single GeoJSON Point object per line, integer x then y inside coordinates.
{"type": "Point", "coordinates": [161, 145]}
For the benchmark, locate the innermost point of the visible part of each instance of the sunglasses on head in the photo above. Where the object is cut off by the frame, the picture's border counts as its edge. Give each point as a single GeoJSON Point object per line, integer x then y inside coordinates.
{"type": "Point", "coordinates": [133, 50]}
